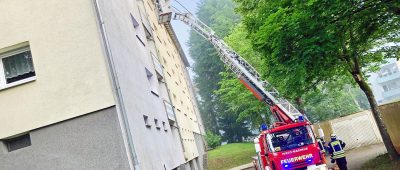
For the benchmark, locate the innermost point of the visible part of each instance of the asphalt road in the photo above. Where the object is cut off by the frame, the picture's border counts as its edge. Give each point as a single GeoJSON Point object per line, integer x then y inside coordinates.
{"type": "Point", "coordinates": [355, 157]}
{"type": "Point", "coordinates": [358, 156]}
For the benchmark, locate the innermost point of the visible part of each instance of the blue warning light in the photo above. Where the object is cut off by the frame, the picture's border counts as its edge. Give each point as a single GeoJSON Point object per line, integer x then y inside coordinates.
{"type": "Point", "coordinates": [301, 119]}
{"type": "Point", "coordinates": [264, 127]}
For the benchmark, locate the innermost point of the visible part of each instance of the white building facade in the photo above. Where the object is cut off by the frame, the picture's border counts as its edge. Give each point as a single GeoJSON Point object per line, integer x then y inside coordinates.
{"type": "Point", "coordinates": [82, 87]}
{"type": "Point", "coordinates": [386, 82]}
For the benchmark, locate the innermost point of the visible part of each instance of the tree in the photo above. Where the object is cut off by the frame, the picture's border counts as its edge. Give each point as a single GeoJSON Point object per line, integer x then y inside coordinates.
{"type": "Point", "coordinates": [237, 98]}
{"type": "Point", "coordinates": [220, 16]}
{"type": "Point", "coordinates": [316, 41]}
{"type": "Point", "coordinates": [213, 140]}
{"type": "Point", "coordinates": [329, 102]}
{"type": "Point", "coordinates": [234, 130]}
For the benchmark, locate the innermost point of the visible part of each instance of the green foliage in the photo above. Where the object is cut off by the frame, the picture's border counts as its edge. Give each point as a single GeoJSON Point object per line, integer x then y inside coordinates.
{"type": "Point", "coordinates": [234, 129]}
{"type": "Point", "coordinates": [230, 155]}
{"type": "Point", "coordinates": [307, 44]}
{"type": "Point", "coordinates": [333, 99]}
{"type": "Point", "coordinates": [238, 99]}
{"type": "Point", "coordinates": [315, 41]}
{"type": "Point", "coordinates": [213, 140]}
{"type": "Point", "coordinates": [328, 101]}
{"type": "Point", "coordinates": [327, 104]}
{"type": "Point", "coordinates": [220, 16]}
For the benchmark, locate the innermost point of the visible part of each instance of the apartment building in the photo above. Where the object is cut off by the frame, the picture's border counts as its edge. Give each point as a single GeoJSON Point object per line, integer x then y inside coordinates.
{"type": "Point", "coordinates": [386, 82]}
{"type": "Point", "coordinates": [389, 80]}
{"type": "Point", "coordinates": [94, 84]}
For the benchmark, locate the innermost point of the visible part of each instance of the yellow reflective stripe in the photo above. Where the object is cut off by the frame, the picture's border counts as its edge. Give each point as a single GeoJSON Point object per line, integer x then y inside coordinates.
{"type": "Point", "coordinates": [334, 143]}
{"type": "Point", "coordinates": [339, 153]}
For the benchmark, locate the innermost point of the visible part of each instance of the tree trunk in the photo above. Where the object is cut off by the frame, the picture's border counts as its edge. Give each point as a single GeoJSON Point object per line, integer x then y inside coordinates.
{"type": "Point", "coordinates": [378, 117]}
{"type": "Point", "coordinates": [300, 106]}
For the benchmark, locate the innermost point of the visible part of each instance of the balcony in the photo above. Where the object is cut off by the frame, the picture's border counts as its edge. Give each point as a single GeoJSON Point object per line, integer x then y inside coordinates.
{"type": "Point", "coordinates": [389, 77]}
{"type": "Point", "coordinates": [391, 93]}
{"type": "Point", "coordinates": [170, 111]}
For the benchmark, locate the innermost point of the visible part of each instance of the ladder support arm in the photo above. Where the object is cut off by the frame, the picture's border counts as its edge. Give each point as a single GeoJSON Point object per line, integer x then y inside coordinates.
{"type": "Point", "coordinates": [282, 109]}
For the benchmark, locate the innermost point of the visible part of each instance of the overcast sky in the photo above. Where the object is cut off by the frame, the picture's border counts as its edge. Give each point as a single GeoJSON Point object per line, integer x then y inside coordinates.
{"type": "Point", "coordinates": [182, 30]}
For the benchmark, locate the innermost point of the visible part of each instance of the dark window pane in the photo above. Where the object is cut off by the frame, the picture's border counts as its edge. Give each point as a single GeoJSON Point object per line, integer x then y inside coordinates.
{"type": "Point", "coordinates": [18, 67]}
{"type": "Point", "coordinates": [18, 142]}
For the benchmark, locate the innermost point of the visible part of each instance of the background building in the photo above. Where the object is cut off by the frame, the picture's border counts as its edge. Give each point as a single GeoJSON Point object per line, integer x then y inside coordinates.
{"type": "Point", "coordinates": [94, 84]}
{"type": "Point", "coordinates": [386, 82]}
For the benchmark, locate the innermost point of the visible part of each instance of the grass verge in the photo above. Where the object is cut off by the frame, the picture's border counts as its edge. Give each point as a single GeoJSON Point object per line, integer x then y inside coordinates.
{"type": "Point", "coordinates": [230, 155]}
{"type": "Point", "coordinates": [381, 162]}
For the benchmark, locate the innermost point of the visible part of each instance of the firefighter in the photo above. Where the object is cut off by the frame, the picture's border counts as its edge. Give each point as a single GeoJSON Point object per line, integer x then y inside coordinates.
{"type": "Point", "coordinates": [336, 150]}
{"type": "Point", "coordinates": [297, 136]}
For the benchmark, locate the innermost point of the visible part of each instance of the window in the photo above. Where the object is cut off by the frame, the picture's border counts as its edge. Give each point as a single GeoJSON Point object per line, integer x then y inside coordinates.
{"type": "Point", "coordinates": [140, 40]}
{"type": "Point", "coordinates": [134, 21]}
{"type": "Point", "coordinates": [159, 39]}
{"type": "Point", "coordinates": [149, 35]}
{"type": "Point", "coordinates": [165, 127]}
{"type": "Point", "coordinates": [385, 88]}
{"type": "Point", "coordinates": [150, 5]}
{"type": "Point", "coordinates": [157, 125]}
{"type": "Point", "coordinates": [16, 67]}
{"type": "Point", "coordinates": [154, 26]}
{"type": "Point", "coordinates": [152, 81]}
{"type": "Point", "coordinates": [290, 138]}
{"type": "Point", "coordinates": [146, 121]}
{"type": "Point", "coordinates": [158, 67]}
{"type": "Point", "coordinates": [18, 142]}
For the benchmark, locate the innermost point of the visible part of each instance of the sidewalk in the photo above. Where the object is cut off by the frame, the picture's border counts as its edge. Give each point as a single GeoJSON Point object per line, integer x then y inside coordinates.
{"type": "Point", "coordinates": [358, 156]}
{"type": "Point", "coordinates": [248, 166]}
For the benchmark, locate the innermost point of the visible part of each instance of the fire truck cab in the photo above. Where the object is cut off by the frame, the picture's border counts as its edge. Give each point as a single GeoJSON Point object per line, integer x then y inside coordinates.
{"type": "Point", "coordinates": [291, 146]}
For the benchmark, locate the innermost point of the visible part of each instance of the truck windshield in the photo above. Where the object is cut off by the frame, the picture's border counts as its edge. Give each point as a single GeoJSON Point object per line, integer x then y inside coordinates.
{"type": "Point", "coordinates": [290, 138]}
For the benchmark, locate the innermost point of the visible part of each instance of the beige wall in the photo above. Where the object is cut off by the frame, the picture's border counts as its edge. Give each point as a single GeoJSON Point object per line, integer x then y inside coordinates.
{"type": "Point", "coordinates": [391, 117]}
{"type": "Point", "coordinates": [71, 75]}
{"type": "Point", "coordinates": [177, 81]}
{"type": "Point", "coordinates": [356, 130]}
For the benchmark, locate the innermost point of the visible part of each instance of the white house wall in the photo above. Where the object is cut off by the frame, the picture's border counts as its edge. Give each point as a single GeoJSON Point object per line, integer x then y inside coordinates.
{"type": "Point", "coordinates": [155, 148]}
{"type": "Point", "coordinates": [71, 75]}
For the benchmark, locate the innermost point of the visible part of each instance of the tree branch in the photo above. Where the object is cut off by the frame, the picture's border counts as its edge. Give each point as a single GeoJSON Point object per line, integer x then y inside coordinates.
{"type": "Point", "coordinates": [358, 10]}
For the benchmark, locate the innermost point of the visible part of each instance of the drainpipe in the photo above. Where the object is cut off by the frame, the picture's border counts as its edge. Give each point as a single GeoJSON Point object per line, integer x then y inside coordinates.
{"type": "Point", "coordinates": [122, 115]}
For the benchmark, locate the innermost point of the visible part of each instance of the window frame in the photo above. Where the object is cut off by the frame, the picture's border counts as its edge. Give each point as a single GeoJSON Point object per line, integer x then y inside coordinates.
{"type": "Point", "coordinates": [3, 81]}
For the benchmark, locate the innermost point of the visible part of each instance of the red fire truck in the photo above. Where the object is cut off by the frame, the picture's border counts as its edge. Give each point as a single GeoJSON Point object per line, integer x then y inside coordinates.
{"type": "Point", "coordinates": [290, 143]}
{"type": "Point", "coordinates": [291, 146]}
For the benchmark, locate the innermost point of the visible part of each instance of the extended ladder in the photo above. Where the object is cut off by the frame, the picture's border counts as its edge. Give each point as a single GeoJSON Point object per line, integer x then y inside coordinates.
{"type": "Point", "coordinates": [246, 73]}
